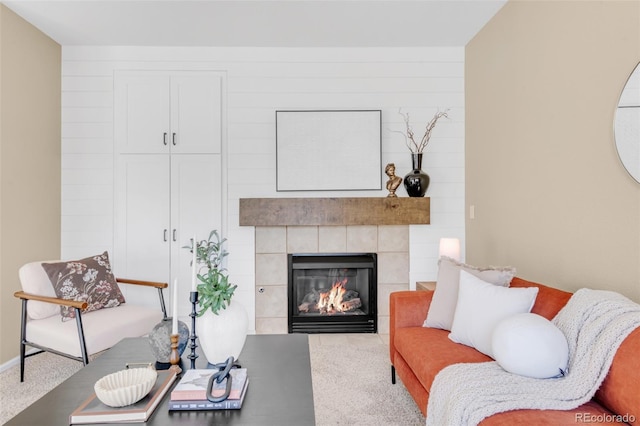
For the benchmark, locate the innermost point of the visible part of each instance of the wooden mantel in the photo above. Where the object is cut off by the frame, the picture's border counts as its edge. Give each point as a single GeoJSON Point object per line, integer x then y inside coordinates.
{"type": "Point", "coordinates": [334, 211]}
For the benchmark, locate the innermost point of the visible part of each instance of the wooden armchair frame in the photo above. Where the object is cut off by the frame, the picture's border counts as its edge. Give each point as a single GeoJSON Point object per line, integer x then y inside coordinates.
{"type": "Point", "coordinates": [78, 306]}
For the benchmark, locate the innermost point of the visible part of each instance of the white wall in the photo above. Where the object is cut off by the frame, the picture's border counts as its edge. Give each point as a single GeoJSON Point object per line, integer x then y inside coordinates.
{"type": "Point", "coordinates": [260, 81]}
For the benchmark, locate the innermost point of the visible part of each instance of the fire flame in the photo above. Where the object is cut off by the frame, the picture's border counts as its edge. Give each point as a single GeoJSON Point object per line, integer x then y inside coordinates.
{"type": "Point", "coordinates": [331, 301]}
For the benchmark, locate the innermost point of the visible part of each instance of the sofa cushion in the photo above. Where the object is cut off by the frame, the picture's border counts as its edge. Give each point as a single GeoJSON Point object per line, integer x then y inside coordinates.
{"type": "Point", "coordinates": [89, 280]}
{"type": "Point", "coordinates": [445, 296]}
{"type": "Point", "coordinates": [481, 306]}
{"type": "Point", "coordinates": [34, 280]}
{"type": "Point", "coordinates": [428, 350]}
{"type": "Point", "coordinates": [530, 345]}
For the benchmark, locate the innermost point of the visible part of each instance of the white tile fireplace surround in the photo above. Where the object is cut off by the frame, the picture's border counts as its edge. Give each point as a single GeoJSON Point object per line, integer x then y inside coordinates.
{"type": "Point", "coordinates": [274, 242]}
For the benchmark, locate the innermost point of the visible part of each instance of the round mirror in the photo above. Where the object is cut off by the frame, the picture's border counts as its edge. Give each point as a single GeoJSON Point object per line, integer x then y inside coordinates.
{"type": "Point", "coordinates": [627, 125]}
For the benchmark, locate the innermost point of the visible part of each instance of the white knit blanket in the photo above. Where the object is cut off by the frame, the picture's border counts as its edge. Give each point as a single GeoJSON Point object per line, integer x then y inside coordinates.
{"type": "Point", "coordinates": [595, 323]}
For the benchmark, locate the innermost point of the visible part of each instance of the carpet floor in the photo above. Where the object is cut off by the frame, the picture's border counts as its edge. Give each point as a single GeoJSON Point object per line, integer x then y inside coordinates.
{"type": "Point", "coordinates": [351, 383]}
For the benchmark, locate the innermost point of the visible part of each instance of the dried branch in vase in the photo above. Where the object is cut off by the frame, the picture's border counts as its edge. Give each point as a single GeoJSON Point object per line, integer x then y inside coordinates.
{"type": "Point", "coordinates": [409, 135]}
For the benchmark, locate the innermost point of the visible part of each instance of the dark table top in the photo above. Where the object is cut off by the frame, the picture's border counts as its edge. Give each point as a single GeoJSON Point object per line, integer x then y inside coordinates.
{"type": "Point", "coordinates": [280, 389]}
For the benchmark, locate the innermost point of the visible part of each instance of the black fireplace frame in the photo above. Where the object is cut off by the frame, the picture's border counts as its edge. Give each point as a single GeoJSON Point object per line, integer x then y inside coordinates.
{"type": "Point", "coordinates": [340, 323]}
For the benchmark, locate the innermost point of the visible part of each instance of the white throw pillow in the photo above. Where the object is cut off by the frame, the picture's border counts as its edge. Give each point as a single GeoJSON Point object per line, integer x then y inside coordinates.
{"type": "Point", "coordinates": [443, 303]}
{"type": "Point", "coordinates": [481, 306]}
{"type": "Point", "coordinates": [530, 345]}
{"type": "Point", "coordinates": [35, 280]}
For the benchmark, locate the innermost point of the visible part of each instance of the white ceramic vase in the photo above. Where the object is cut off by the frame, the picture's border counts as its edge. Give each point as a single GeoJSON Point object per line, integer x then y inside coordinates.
{"type": "Point", "coordinates": [223, 335]}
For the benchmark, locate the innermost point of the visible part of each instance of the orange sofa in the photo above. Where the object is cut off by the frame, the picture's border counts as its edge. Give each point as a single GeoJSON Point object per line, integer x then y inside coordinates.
{"type": "Point", "coordinates": [418, 353]}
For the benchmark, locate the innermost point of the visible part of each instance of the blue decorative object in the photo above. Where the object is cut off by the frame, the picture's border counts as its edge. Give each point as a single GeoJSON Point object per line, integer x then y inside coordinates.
{"type": "Point", "coordinates": [160, 340]}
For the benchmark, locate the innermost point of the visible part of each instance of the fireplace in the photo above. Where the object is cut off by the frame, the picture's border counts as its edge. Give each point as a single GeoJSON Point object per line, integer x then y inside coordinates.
{"type": "Point", "coordinates": [332, 293]}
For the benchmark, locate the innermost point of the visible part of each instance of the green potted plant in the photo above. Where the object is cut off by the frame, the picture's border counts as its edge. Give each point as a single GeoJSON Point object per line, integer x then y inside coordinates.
{"type": "Point", "coordinates": [223, 323]}
{"type": "Point", "coordinates": [214, 289]}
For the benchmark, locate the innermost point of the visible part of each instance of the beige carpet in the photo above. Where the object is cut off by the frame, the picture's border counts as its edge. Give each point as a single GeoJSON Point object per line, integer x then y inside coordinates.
{"type": "Point", "coordinates": [351, 383]}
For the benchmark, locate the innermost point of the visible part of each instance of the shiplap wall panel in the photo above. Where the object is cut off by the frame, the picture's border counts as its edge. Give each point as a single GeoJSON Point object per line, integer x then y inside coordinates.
{"type": "Point", "coordinates": [346, 85]}
{"type": "Point", "coordinates": [88, 115]}
{"type": "Point", "coordinates": [258, 82]}
{"type": "Point", "coordinates": [88, 145]}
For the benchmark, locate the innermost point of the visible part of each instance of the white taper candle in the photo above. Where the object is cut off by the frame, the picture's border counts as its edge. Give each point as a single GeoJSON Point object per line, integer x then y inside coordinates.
{"type": "Point", "coordinates": [174, 326]}
{"type": "Point", "coordinates": [194, 262]}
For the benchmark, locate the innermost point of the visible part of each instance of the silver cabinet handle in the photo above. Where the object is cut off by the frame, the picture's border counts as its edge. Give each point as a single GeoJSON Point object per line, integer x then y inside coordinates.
{"type": "Point", "coordinates": [165, 235]}
{"type": "Point", "coordinates": [164, 138]}
{"type": "Point", "coordinates": [173, 139]}
{"type": "Point", "coordinates": [174, 235]}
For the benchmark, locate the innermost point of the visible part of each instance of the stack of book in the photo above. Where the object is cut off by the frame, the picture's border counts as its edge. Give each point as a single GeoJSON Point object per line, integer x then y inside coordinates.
{"type": "Point", "coordinates": [92, 410]}
{"type": "Point", "coordinates": [191, 392]}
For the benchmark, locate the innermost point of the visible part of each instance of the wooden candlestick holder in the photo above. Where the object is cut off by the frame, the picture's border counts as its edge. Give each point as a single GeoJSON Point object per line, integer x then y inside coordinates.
{"type": "Point", "coordinates": [174, 358]}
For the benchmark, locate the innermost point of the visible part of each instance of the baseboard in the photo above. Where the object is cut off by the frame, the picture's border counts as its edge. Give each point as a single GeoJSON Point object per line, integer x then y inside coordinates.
{"type": "Point", "coordinates": [15, 361]}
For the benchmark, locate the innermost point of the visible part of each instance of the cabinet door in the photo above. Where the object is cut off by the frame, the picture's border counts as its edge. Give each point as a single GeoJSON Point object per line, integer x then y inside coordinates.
{"type": "Point", "coordinates": [196, 109]}
{"type": "Point", "coordinates": [196, 195]}
{"type": "Point", "coordinates": [143, 229]}
{"type": "Point", "coordinates": [142, 113]}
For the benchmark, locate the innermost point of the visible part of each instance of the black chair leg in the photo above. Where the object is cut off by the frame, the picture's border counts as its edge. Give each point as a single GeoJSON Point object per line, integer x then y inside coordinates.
{"type": "Point", "coordinates": [21, 362]}
{"type": "Point", "coordinates": [393, 375]}
{"type": "Point", "coordinates": [162, 305]}
{"type": "Point", "coordinates": [83, 345]}
{"type": "Point", "coordinates": [23, 337]}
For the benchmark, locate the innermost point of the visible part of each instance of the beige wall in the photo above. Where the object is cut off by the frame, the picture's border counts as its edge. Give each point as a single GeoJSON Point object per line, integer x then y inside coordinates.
{"type": "Point", "coordinates": [30, 78]}
{"type": "Point", "coordinates": [551, 197]}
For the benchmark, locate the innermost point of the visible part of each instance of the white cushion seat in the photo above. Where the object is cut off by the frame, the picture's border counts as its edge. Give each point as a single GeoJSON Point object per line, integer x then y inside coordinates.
{"type": "Point", "coordinates": [102, 329]}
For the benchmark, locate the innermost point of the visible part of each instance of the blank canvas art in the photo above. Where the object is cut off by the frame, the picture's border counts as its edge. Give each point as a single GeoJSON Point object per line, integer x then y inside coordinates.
{"type": "Point", "coordinates": [328, 150]}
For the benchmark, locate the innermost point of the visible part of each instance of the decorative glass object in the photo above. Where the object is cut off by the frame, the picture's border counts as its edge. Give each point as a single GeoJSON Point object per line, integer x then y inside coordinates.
{"type": "Point", "coordinates": [160, 340]}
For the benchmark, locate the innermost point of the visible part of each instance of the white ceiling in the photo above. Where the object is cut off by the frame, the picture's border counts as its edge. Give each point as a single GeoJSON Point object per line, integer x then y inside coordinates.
{"type": "Point", "coordinates": [262, 23]}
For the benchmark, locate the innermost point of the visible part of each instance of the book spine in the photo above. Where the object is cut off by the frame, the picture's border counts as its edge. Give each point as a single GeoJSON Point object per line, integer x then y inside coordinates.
{"type": "Point", "coordinates": [188, 395]}
{"type": "Point", "coordinates": [195, 395]}
{"type": "Point", "coordinates": [204, 405]}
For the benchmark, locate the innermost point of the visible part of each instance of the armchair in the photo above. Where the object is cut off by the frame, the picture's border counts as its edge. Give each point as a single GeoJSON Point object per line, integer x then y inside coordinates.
{"type": "Point", "coordinates": [43, 328]}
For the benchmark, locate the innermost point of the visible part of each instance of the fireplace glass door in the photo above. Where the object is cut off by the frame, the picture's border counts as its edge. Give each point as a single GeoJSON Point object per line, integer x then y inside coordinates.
{"type": "Point", "coordinates": [332, 293]}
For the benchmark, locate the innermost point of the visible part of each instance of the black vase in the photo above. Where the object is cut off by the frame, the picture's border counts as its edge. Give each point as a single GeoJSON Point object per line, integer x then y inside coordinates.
{"type": "Point", "coordinates": [416, 182]}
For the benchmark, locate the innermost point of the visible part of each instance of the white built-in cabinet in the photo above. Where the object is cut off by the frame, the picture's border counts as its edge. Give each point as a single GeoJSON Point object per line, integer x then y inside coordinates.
{"type": "Point", "coordinates": [167, 129]}
{"type": "Point", "coordinates": [159, 113]}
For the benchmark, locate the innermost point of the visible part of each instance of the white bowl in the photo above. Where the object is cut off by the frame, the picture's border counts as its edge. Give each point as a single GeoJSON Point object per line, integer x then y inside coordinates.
{"type": "Point", "coordinates": [125, 387]}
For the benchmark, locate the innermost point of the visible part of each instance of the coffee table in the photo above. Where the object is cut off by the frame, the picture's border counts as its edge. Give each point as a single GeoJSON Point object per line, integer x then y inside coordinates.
{"type": "Point", "coordinates": [280, 389]}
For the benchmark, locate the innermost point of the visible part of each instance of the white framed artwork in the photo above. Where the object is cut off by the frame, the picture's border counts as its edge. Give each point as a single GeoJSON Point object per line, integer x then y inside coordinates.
{"type": "Point", "coordinates": [329, 150]}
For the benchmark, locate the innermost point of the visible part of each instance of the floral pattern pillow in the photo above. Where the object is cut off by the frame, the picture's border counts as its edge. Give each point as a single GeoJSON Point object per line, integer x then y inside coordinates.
{"type": "Point", "coordinates": [89, 280]}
